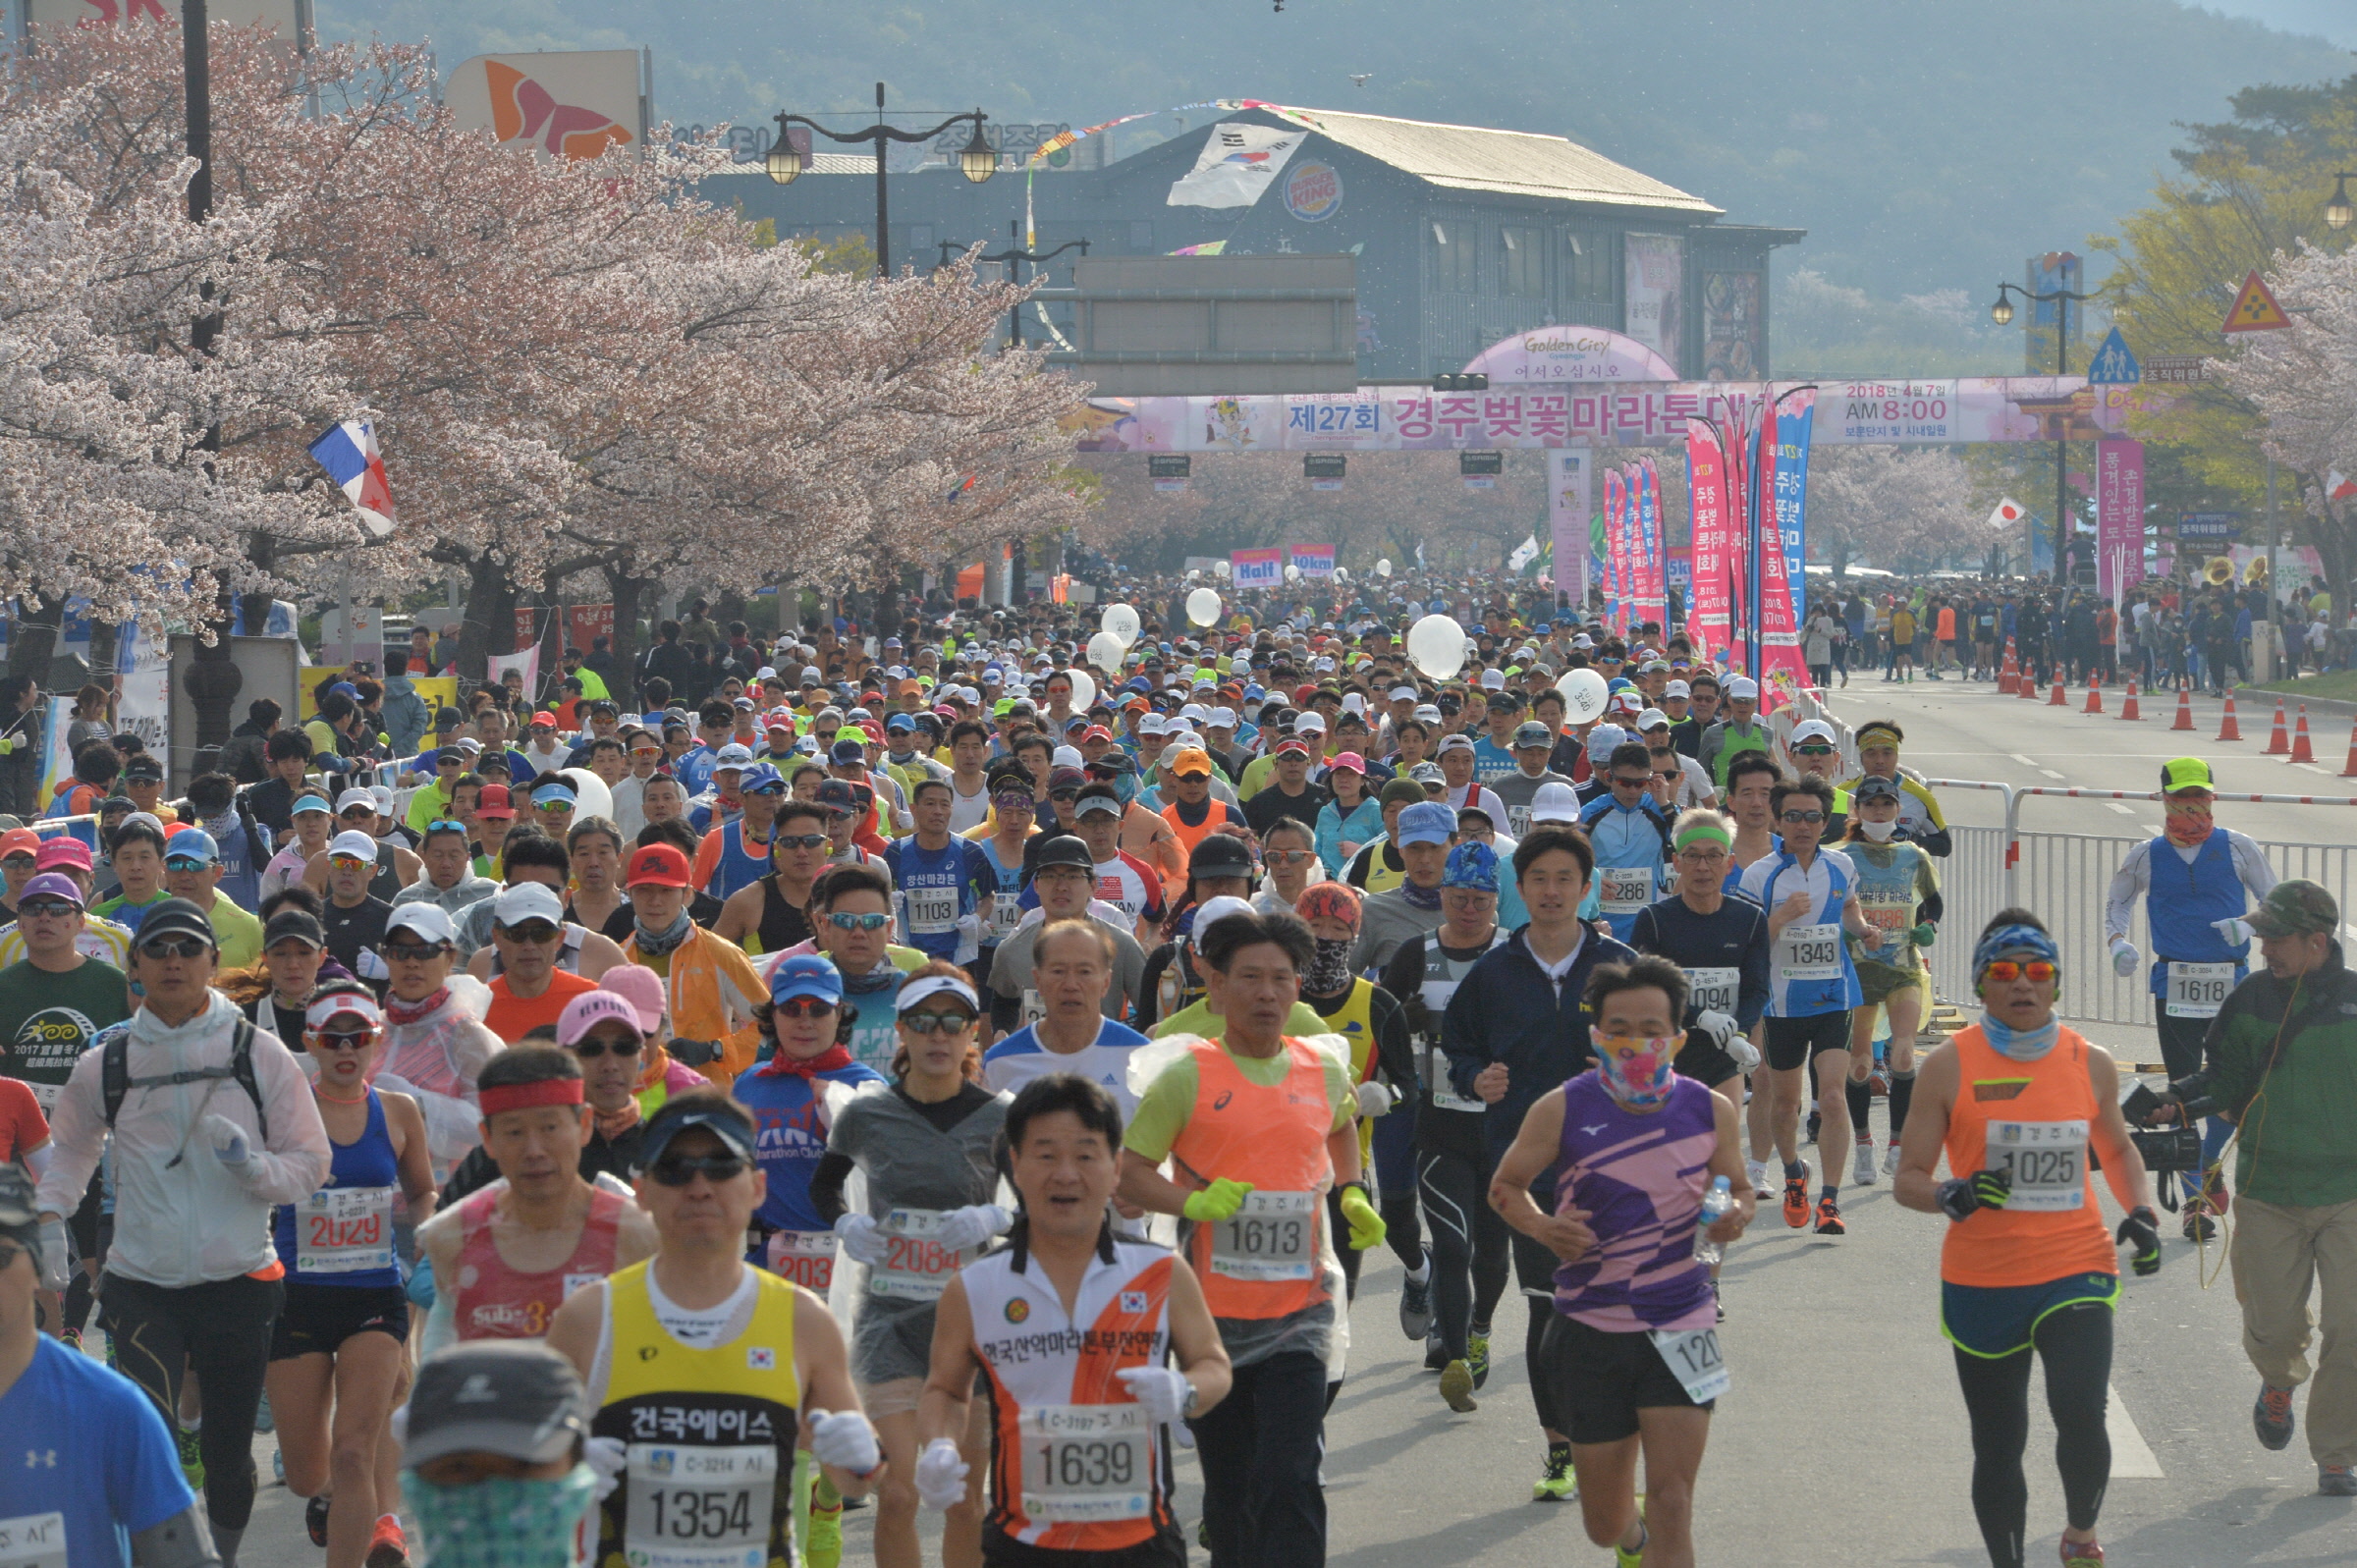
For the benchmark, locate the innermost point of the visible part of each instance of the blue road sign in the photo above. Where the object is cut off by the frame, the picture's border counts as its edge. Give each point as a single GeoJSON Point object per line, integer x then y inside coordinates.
{"type": "Point", "coordinates": [2112, 365]}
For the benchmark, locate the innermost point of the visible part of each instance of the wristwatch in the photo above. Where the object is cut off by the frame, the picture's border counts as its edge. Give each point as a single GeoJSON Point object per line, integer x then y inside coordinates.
{"type": "Point", "coordinates": [1194, 1397]}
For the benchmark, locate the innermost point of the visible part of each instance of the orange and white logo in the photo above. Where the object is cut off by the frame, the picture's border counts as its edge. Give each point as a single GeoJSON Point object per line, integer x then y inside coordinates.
{"type": "Point", "coordinates": [522, 109]}
{"type": "Point", "coordinates": [570, 104]}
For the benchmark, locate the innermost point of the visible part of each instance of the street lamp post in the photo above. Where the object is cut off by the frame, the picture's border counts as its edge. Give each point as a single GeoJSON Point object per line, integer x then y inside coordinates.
{"type": "Point", "coordinates": [2340, 212]}
{"type": "Point", "coordinates": [1011, 257]}
{"type": "Point", "coordinates": [2002, 313]}
{"type": "Point", "coordinates": [784, 162]}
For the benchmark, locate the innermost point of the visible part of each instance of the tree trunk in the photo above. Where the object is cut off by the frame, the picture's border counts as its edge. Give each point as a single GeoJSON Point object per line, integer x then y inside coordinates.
{"type": "Point", "coordinates": [35, 642]}
{"type": "Point", "coordinates": [490, 624]}
{"type": "Point", "coordinates": [629, 591]}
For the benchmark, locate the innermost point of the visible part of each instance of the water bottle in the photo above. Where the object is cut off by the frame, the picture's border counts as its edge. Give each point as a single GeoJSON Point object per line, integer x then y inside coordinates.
{"type": "Point", "coordinates": [1715, 1203]}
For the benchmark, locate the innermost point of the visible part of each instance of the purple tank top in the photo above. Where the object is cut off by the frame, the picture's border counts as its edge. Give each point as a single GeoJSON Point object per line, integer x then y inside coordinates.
{"type": "Point", "coordinates": [1640, 1178]}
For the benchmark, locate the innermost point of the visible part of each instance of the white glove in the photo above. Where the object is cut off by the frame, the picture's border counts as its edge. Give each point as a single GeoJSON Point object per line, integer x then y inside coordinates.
{"type": "Point", "coordinates": [2235, 929]}
{"type": "Point", "coordinates": [1719, 1026]}
{"type": "Point", "coordinates": [965, 1229]}
{"type": "Point", "coordinates": [371, 965]}
{"type": "Point", "coordinates": [941, 1474]}
{"type": "Point", "coordinates": [228, 1139]}
{"type": "Point", "coordinates": [1746, 1055]}
{"type": "Point", "coordinates": [970, 927]}
{"type": "Point", "coordinates": [1375, 1098]}
{"type": "Point", "coordinates": [844, 1439]}
{"type": "Point", "coordinates": [2124, 957]}
{"type": "Point", "coordinates": [605, 1456]}
{"type": "Point", "coordinates": [54, 1274]}
{"type": "Point", "coordinates": [862, 1240]}
{"type": "Point", "coordinates": [1163, 1391]}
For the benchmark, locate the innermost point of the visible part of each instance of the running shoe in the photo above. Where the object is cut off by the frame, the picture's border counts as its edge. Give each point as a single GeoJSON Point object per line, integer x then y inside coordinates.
{"type": "Point", "coordinates": [1435, 1353]}
{"type": "Point", "coordinates": [1622, 1557]}
{"type": "Point", "coordinates": [278, 1466]}
{"type": "Point", "coordinates": [1890, 1157]}
{"type": "Point", "coordinates": [263, 1421]}
{"type": "Point", "coordinates": [825, 1546]}
{"type": "Point", "coordinates": [2214, 1187]}
{"type": "Point", "coordinates": [2337, 1480]}
{"type": "Point", "coordinates": [1796, 1199]}
{"type": "Point", "coordinates": [1561, 1483]}
{"type": "Point", "coordinates": [72, 1340]}
{"type": "Point", "coordinates": [1861, 1165]}
{"type": "Point", "coordinates": [2271, 1418]}
{"type": "Point", "coordinates": [2199, 1226]}
{"type": "Point", "coordinates": [386, 1548]}
{"type": "Point", "coordinates": [1415, 1304]}
{"type": "Point", "coordinates": [314, 1519]}
{"type": "Point", "coordinates": [1456, 1388]}
{"type": "Point", "coordinates": [1761, 1187]}
{"type": "Point", "coordinates": [1829, 1218]}
{"type": "Point", "coordinates": [2081, 1552]}
{"type": "Point", "coordinates": [1477, 1357]}
{"type": "Point", "coordinates": [192, 1459]}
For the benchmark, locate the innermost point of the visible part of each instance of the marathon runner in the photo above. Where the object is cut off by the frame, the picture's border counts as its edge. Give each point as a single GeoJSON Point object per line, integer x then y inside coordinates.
{"type": "Point", "coordinates": [1721, 944]}
{"type": "Point", "coordinates": [1073, 961]}
{"type": "Point", "coordinates": [1898, 894]}
{"type": "Point", "coordinates": [1631, 1354]}
{"type": "Point", "coordinates": [1630, 832]}
{"type": "Point", "coordinates": [773, 914]}
{"type": "Point", "coordinates": [2016, 1102]}
{"type": "Point", "coordinates": [1919, 817]}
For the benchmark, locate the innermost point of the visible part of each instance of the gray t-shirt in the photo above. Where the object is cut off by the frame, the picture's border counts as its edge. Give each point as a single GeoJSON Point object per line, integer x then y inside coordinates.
{"type": "Point", "coordinates": [1011, 973]}
{"type": "Point", "coordinates": [1385, 920]}
{"type": "Point", "coordinates": [1517, 789]}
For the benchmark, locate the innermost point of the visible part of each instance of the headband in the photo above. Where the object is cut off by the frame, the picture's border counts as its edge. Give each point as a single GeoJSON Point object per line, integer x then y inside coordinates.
{"type": "Point", "coordinates": [1330, 900]}
{"type": "Point", "coordinates": [2008, 938]}
{"type": "Point", "coordinates": [916, 990]}
{"type": "Point", "coordinates": [1712, 828]}
{"type": "Point", "coordinates": [343, 1005]}
{"type": "Point", "coordinates": [1872, 732]}
{"type": "Point", "coordinates": [528, 1096]}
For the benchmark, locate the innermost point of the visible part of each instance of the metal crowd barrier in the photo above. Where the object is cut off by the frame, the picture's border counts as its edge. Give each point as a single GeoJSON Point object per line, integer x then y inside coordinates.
{"type": "Point", "coordinates": [2066, 879]}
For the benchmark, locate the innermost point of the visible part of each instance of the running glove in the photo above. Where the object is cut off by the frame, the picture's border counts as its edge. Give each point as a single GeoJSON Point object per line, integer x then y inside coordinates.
{"type": "Point", "coordinates": [1923, 935]}
{"type": "Point", "coordinates": [1163, 1391]}
{"type": "Point", "coordinates": [1374, 1098]}
{"type": "Point", "coordinates": [228, 1139]}
{"type": "Point", "coordinates": [2142, 1231]}
{"type": "Point", "coordinates": [2124, 957]}
{"type": "Point", "coordinates": [2233, 929]}
{"type": "Point", "coordinates": [963, 1229]}
{"type": "Point", "coordinates": [862, 1240]}
{"type": "Point", "coordinates": [1219, 1201]}
{"type": "Point", "coordinates": [844, 1439]}
{"type": "Point", "coordinates": [1718, 1027]}
{"type": "Point", "coordinates": [941, 1474]}
{"type": "Point", "coordinates": [1368, 1229]}
{"type": "Point", "coordinates": [54, 1271]}
{"type": "Point", "coordinates": [608, 1457]}
{"type": "Point", "coordinates": [1959, 1196]}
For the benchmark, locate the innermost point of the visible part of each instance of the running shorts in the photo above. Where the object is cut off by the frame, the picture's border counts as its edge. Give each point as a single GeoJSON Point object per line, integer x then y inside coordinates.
{"type": "Point", "coordinates": [1797, 1042]}
{"type": "Point", "coordinates": [317, 1318]}
{"type": "Point", "coordinates": [1601, 1379]}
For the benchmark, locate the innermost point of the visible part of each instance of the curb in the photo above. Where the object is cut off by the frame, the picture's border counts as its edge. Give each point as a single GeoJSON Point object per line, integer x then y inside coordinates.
{"type": "Point", "coordinates": [2244, 696]}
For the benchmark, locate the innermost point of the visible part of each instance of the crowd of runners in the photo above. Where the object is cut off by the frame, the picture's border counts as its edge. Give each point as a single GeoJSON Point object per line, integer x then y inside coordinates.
{"type": "Point", "coordinates": [938, 1070]}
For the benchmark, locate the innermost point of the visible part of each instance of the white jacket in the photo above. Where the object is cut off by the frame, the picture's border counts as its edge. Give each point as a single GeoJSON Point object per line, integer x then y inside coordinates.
{"type": "Point", "coordinates": [197, 1220]}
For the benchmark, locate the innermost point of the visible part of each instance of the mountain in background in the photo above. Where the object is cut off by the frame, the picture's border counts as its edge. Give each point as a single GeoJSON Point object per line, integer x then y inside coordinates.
{"type": "Point", "coordinates": [1927, 146]}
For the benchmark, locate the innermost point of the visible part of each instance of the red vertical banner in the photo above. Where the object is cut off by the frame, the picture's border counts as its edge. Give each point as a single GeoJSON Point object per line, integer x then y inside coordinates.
{"type": "Point", "coordinates": [585, 623]}
{"type": "Point", "coordinates": [2118, 517]}
{"type": "Point", "coordinates": [526, 620]}
{"type": "Point", "coordinates": [1705, 494]}
{"type": "Point", "coordinates": [1781, 673]}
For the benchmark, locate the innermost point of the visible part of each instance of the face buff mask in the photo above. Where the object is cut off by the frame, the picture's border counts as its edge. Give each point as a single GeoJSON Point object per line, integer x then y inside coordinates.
{"type": "Point", "coordinates": [1879, 832]}
{"type": "Point", "coordinates": [2188, 821]}
{"type": "Point", "coordinates": [502, 1519]}
{"type": "Point", "coordinates": [1636, 1072]}
{"type": "Point", "coordinates": [656, 943]}
{"type": "Point", "coordinates": [1329, 968]}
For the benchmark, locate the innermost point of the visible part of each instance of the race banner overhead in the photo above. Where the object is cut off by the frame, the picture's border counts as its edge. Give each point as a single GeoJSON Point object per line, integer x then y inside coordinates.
{"type": "Point", "coordinates": [1846, 413]}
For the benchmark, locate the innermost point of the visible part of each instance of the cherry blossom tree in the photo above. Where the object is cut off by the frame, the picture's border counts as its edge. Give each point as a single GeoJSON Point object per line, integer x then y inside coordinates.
{"type": "Point", "coordinates": [1899, 507]}
{"type": "Point", "coordinates": [2302, 380]}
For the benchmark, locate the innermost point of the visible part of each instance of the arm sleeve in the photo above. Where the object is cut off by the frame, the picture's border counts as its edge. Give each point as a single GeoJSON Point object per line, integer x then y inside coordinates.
{"type": "Point", "coordinates": [77, 1133]}
{"type": "Point", "coordinates": [2128, 885]}
{"type": "Point", "coordinates": [1402, 974]}
{"type": "Point", "coordinates": [1462, 1030]}
{"type": "Point", "coordinates": [1390, 1042]}
{"type": "Point", "coordinates": [1149, 988]}
{"type": "Point", "coordinates": [826, 1185]}
{"type": "Point", "coordinates": [2250, 864]}
{"type": "Point", "coordinates": [295, 1161]}
{"type": "Point", "coordinates": [1162, 1111]}
{"type": "Point", "coordinates": [1752, 986]}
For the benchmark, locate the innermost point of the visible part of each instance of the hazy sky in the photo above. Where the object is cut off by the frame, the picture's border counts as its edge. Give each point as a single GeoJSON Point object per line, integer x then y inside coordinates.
{"type": "Point", "coordinates": [2336, 20]}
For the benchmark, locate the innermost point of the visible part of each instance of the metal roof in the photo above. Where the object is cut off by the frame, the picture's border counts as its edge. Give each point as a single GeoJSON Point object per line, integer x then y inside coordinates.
{"type": "Point", "coordinates": [1513, 163]}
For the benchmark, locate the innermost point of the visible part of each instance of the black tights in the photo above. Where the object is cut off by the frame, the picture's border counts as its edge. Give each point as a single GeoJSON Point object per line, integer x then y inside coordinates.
{"type": "Point", "coordinates": [2075, 1343]}
{"type": "Point", "coordinates": [1468, 1246]}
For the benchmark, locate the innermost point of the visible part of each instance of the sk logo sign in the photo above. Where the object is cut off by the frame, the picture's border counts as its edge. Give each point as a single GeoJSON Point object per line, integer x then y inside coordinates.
{"type": "Point", "coordinates": [523, 109]}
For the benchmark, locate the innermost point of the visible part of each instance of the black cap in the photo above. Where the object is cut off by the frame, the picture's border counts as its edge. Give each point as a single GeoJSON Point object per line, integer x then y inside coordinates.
{"type": "Point", "coordinates": [1065, 849]}
{"type": "Point", "coordinates": [1219, 854]}
{"type": "Point", "coordinates": [726, 1121]}
{"type": "Point", "coordinates": [175, 917]}
{"type": "Point", "coordinates": [294, 925]}
{"type": "Point", "coordinates": [144, 766]}
{"type": "Point", "coordinates": [512, 1397]}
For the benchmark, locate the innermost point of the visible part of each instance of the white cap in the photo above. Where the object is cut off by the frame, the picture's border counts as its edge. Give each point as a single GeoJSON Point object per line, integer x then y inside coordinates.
{"type": "Point", "coordinates": [353, 844]}
{"type": "Point", "coordinates": [1323, 667]}
{"type": "Point", "coordinates": [1195, 713]}
{"type": "Point", "coordinates": [1602, 739]}
{"type": "Point", "coordinates": [1676, 688]}
{"type": "Point", "coordinates": [1404, 694]}
{"type": "Point", "coordinates": [1217, 909]}
{"type": "Point", "coordinates": [526, 900]}
{"type": "Point", "coordinates": [1222, 718]}
{"type": "Point", "coordinates": [1493, 681]}
{"type": "Point", "coordinates": [812, 675]}
{"type": "Point", "coordinates": [1310, 723]}
{"type": "Point", "coordinates": [1650, 718]}
{"type": "Point", "coordinates": [1583, 640]}
{"type": "Point", "coordinates": [355, 797]}
{"type": "Point", "coordinates": [1461, 741]}
{"type": "Point", "coordinates": [1555, 803]}
{"type": "Point", "coordinates": [1152, 724]}
{"type": "Point", "coordinates": [1815, 730]}
{"type": "Point", "coordinates": [1353, 702]}
{"type": "Point", "coordinates": [1066, 757]}
{"type": "Point", "coordinates": [1427, 712]}
{"type": "Point", "coordinates": [428, 920]}
{"type": "Point", "coordinates": [1742, 689]}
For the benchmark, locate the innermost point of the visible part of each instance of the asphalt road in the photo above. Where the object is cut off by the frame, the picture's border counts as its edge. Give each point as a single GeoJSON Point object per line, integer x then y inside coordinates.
{"type": "Point", "coordinates": [1843, 1438]}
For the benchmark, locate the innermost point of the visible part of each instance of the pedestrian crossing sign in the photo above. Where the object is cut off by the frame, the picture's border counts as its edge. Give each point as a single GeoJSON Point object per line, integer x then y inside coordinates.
{"type": "Point", "coordinates": [2255, 308]}
{"type": "Point", "coordinates": [2112, 365]}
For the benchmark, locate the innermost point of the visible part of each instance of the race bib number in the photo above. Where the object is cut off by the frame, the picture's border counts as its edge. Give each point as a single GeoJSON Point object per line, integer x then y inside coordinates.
{"type": "Point", "coordinates": [2048, 1159]}
{"type": "Point", "coordinates": [698, 1507]}
{"type": "Point", "coordinates": [1623, 889]}
{"type": "Point", "coordinates": [1808, 954]}
{"type": "Point", "coordinates": [1005, 913]}
{"type": "Point", "coordinates": [805, 1257]}
{"type": "Point", "coordinates": [916, 1266]}
{"type": "Point", "coordinates": [1087, 1463]}
{"type": "Point", "coordinates": [33, 1540]}
{"type": "Point", "coordinates": [2197, 989]}
{"type": "Point", "coordinates": [344, 1230]}
{"type": "Point", "coordinates": [1273, 1236]}
{"type": "Point", "coordinates": [932, 911]}
{"type": "Point", "coordinates": [1435, 1073]}
{"type": "Point", "coordinates": [1517, 820]}
{"type": "Point", "coordinates": [1035, 1010]}
{"type": "Point", "coordinates": [1890, 922]}
{"type": "Point", "coordinates": [1713, 990]}
{"type": "Point", "coordinates": [1693, 1358]}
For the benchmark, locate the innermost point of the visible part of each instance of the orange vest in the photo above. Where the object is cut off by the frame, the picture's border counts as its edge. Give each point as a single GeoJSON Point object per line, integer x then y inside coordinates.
{"type": "Point", "coordinates": [1188, 837]}
{"type": "Point", "coordinates": [1274, 1138]}
{"type": "Point", "coordinates": [2036, 1110]}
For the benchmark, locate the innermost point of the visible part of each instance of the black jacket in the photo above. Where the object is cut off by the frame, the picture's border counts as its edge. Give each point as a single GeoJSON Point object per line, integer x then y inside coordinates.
{"type": "Point", "coordinates": [600, 1155]}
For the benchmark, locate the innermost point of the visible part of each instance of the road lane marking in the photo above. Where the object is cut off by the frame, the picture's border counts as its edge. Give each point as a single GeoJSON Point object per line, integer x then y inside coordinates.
{"type": "Point", "coordinates": [2027, 762]}
{"type": "Point", "coordinates": [2132, 1458]}
{"type": "Point", "coordinates": [2123, 810]}
{"type": "Point", "coordinates": [2051, 773]}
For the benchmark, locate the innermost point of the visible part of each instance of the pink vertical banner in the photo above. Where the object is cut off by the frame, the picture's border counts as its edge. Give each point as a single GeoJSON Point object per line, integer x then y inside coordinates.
{"type": "Point", "coordinates": [1706, 492]}
{"type": "Point", "coordinates": [1783, 674]}
{"type": "Point", "coordinates": [1615, 549]}
{"type": "Point", "coordinates": [2118, 516]}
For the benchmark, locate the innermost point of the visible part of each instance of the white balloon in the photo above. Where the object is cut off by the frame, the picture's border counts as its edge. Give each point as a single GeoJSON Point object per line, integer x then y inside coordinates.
{"type": "Point", "coordinates": [1084, 690]}
{"type": "Point", "coordinates": [1222, 568]}
{"type": "Point", "coordinates": [1120, 623]}
{"type": "Point", "coordinates": [1194, 573]}
{"type": "Point", "coordinates": [1382, 568]}
{"type": "Point", "coordinates": [1341, 574]}
{"type": "Point", "coordinates": [1437, 645]}
{"type": "Point", "coordinates": [1293, 573]}
{"type": "Point", "coordinates": [590, 797]}
{"type": "Point", "coordinates": [1104, 650]}
{"type": "Point", "coordinates": [1584, 695]}
{"type": "Point", "coordinates": [1203, 607]}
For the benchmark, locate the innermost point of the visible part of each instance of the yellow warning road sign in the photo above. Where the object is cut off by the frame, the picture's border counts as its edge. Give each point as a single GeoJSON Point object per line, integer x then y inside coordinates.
{"type": "Point", "coordinates": [2255, 308]}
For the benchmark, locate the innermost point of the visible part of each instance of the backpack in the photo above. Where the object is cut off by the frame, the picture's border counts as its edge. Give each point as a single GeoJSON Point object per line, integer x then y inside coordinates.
{"type": "Point", "coordinates": [114, 1080]}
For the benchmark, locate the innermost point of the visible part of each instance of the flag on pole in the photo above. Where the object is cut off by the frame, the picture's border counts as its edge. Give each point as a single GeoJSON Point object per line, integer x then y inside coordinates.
{"type": "Point", "coordinates": [2339, 486]}
{"type": "Point", "coordinates": [2008, 512]}
{"type": "Point", "coordinates": [347, 451]}
{"type": "Point", "coordinates": [1525, 554]}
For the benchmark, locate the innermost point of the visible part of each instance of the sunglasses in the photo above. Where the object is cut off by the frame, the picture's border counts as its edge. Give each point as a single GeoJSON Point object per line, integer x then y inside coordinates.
{"type": "Point", "coordinates": [937, 1023]}
{"type": "Point", "coordinates": [1621, 781]}
{"type": "Point", "coordinates": [1804, 816]}
{"type": "Point", "coordinates": [182, 948]}
{"type": "Point", "coordinates": [20, 862]}
{"type": "Point", "coordinates": [187, 863]}
{"type": "Point", "coordinates": [806, 1006]}
{"type": "Point", "coordinates": [678, 1170]}
{"type": "Point", "coordinates": [445, 824]}
{"type": "Point", "coordinates": [48, 909]}
{"type": "Point", "coordinates": [1286, 857]}
{"type": "Point", "coordinates": [1813, 751]}
{"type": "Point", "coordinates": [592, 1050]}
{"type": "Point", "coordinates": [554, 807]}
{"type": "Point", "coordinates": [858, 922]}
{"type": "Point", "coordinates": [413, 951]}
{"type": "Point", "coordinates": [533, 930]}
{"type": "Point", "coordinates": [798, 840]}
{"type": "Point", "coordinates": [339, 1039]}
{"type": "Point", "coordinates": [2004, 971]}
{"type": "Point", "coordinates": [357, 814]}
{"type": "Point", "coordinates": [349, 862]}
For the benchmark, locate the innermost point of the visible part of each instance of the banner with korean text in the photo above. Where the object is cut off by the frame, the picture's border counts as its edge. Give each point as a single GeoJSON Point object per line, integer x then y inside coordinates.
{"type": "Point", "coordinates": [1569, 503]}
{"type": "Point", "coordinates": [1706, 492]}
{"type": "Point", "coordinates": [2118, 517]}
{"type": "Point", "coordinates": [1256, 569]}
{"type": "Point", "coordinates": [1795, 417]}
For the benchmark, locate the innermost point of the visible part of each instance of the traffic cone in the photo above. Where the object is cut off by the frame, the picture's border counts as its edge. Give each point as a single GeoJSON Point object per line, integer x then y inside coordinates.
{"type": "Point", "coordinates": [2008, 675]}
{"type": "Point", "coordinates": [2060, 699]}
{"type": "Point", "coordinates": [2127, 704]}
{"type": "Point", "coordinates": [2301, 750]}
{"type": "Point", "coordinates": [2227, 729]}
{"type": "Point", "coordinates": [2350, 772]}
{"type": "Point", "coordinates": [2184, 719]}
{"type": "Point", "coordinates": [2278, 743]}
{"type": "Point", "coordinates": [2095, 696]}
{"type": "Point", "coordinates": [2027, 687]}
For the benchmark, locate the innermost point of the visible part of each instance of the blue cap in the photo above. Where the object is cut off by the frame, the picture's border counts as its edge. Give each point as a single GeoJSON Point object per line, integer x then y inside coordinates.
{"type": "Point", "coordinates": [760, 779]}
{"type": "Point", "coordinates": [806, 974]}
{"type": "Point", "coordinates": [192, 843]}
{"type": "Point", "coordinates": [1427, 821]}
{"type": "Point", "coordinates": [310, 803]}
{"type": "Point", "coordinates": [899, 721]}
{"type": "Point", "coordinates": [542, 795]}
{"type": "Point", "coordinates": [1471, 864]}
{"type": "Point", "coordinates": [847, 751]}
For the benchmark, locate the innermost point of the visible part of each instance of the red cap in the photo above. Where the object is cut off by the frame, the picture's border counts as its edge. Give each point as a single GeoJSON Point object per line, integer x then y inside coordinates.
{"type": "Point", "coordinates": [495, 801]}
{"type": "Point", "coordinates": [19, 842]}
{"type": "Point", "coordinates": [1096, 733]}
{"type": "Point", "coordinates": [62, 851]}
{"type": "Point", "coordinates": [657, 865]}
{"type": "Point", "coordinates": [543, 720]}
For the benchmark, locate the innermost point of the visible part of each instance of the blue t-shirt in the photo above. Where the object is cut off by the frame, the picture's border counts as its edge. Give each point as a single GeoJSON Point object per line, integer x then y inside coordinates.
{"type": "Point", "coordinates": [790, 1134]}
{"type": "Point", "coordinates": [95, 1454]}
{"type": "Point", "coordinates": [932, 889]}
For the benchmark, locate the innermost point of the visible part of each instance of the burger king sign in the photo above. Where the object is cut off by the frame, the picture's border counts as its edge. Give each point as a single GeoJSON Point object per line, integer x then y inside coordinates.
{"type": "Point", "coordinates": [1313, 192]}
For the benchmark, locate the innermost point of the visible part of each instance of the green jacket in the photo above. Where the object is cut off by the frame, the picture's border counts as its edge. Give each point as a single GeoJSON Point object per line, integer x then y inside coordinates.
{"type": "Point", "coordinates": [2290, 1083]}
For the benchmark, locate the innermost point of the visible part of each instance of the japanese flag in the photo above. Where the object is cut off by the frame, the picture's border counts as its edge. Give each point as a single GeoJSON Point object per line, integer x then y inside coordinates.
{"type": "Point", "coordinates": [2339, 486]}
{"type": "Point", "coordinates": [2008, 512]}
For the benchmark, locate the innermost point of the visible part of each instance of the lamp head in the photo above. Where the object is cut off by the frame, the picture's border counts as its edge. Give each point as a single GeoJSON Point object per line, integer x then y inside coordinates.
{"type": "Point", "coordinates": [2002, 312]}
{"type": "Point", "coordinates": [979, 161]}
{"type": "Point", "coordinates": [2339, 212]}
{"type": "Point", "coordinates": [785, 161]}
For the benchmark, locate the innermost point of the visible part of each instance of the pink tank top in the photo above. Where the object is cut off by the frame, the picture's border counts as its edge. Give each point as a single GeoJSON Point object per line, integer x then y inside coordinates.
{"type": "Point", "coordinates": [498, 1302]}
